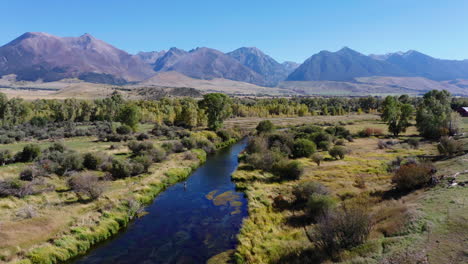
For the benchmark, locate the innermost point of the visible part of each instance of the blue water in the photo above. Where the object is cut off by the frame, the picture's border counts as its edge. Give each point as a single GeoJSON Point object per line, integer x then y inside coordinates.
{"type": "Point", "coordinates": [184, 224]}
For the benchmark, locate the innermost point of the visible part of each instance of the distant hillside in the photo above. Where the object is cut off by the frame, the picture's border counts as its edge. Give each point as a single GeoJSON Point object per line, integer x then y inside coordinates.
{"type": "Point", "coordinates": [35, 56]}
{"type": "Point", "coordinates": [253, 58]}
{"type": "Point", "coordinates": [347, 64]}
{"type": "Point", "coordinates": [343, 65]}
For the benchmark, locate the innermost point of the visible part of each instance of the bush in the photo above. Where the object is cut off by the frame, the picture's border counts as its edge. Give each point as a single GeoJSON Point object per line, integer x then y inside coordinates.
{"type": "Point", "coordinates": [142, 136]}
{"type": "Point", "coordinates": [342, 228]}
{"type": "Point", "coordinates": [317, 158]}
{"type": "Point", "coordinates": [303, 148]}
{"type": "Point", "coordinates": [319, 204]}
{"type": "Point", "coordinates": [288, 170]}
{"type": "Point", "coordinates": [138, 148]}
{"type": "Point", "coordinates": [92, 161]}
{"type": "Point", "coordinates": [412, 176]}
{"type": "Point", "coordinates": [86, 184]}
{"type": "Point", "coordinates": [324, 145]}
{"type": "Point", "coordinates": [368, 132]}
{"type": "Point", "coordinates": [29, 153]}
{"type": "Point", "coordinates": [157, 154]}
{"type": "Point", "coordinates": [340, 142]}
{"type": "Point", "coordinates": [145, 161]}
{"type": "Point", "coordinates": [5, 157]}
{"type": "Point", "coordinates": [124, 130]}
{"type": "Point", "coordinates": [72, 161]}
{"type": "Point", "coordinates": [30, 173]}
{"type": "Point", "coordinates": [120, 169]}
{"type": "Point", "coordinates": [337, 152]}
{"type": "Point", "coordinates": [449, 146]}
{"type": "Point", "coordinates": [265, 126]}
{"type": "Point", "coordinates": [303, 191]}
{"type": "Point", "coordinates": [264, 160]}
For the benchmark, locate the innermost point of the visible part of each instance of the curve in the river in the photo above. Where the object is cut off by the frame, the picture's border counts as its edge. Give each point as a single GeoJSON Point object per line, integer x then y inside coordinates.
{"type": "Point", "coordinates": [184, 224]}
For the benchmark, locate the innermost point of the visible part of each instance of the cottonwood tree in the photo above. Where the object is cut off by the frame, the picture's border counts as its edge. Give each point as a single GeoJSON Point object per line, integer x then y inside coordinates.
{"type": "Point", "coordinates": [217, 107]}
{"type": "Point", "coordinates": [397, 115]}
{"type": "Point", "coordinates": [434, 114]}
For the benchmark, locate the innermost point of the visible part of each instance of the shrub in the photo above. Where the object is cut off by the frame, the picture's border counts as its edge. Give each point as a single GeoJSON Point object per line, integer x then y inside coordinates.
{"type": "Point", "coordinates": [92, 161]}
{"type": "Point", "coordinates": [342, 228]}
{"type": "Point", "coordinates": [337, 152]}
{"type": "Point", "coordinates": [317, 158]}
{"type": "Point", "coordinates": [124, 130]}
{"type": "Point", "coordinates": [368, 132]}
{"type": "Point", "coordinates": [411, 176]}
{"type": "Point", "coordinates": [324, 145]}
{"type": "Point", "coordinates": [303, 148]}
{"type": "Point", "coordinates": [288, 170]}
{"type": "Point", "coordinates": [350, 138]}
{"type": "Point", "coordinates": [5, 157]}
{"type": "Point", "coordinates": [265, 126]}
{"type": "Point", "coordinates": [142, 136]}
{"type": "Point", "coordinates": [448, 146]}
{"type": "Point", "coordinates": [57, 146]}
{"type": "Point", "coordinates": [264, 160]}
{"type": "Point", "coordinates": [145, 161]}
{"type": "Point", "coordinates": [319, 204]}
{"type": "Point", "coordinates": [120, 169]}
{"type": "Point", "coordinates": [71, 161]}
{"type": "Point", "coordinates": [138, 148]}
{"type": "Point", "coordinates": [86, 184]}
{"type": "Point", "coordinates": [26, 212]}
{"type": "Point", "coordinates": [304, 190]}
{"type": "Point", "coordinates": [30, 173]}
{"type": "Point", "coordinates": [340, 142]}
{"type": "Point", "coordinates": [157, 154]}
{"type": "Point", "coordinates": [29, 153]}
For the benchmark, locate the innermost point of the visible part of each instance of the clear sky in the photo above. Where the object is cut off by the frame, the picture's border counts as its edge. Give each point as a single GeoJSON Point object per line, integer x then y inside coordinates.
{"type": "Point", "coordinates": [286, 30]}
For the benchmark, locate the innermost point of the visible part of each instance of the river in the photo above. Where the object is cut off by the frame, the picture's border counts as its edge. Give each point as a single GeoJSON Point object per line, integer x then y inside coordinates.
{"type": "Point", "coordinates": [188, 223]}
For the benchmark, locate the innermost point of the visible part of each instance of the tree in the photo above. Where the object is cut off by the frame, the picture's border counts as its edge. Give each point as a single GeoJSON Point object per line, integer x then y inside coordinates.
{"type": "Point", "coordinates": [303, 148]}
{"type": "Point", "coordinates": [130, 116]}
{"type": "Point", "coordinates": [218, 108]}
{"type": "Point", "coordinates": [317, 158]}
{"type": "Point", "coordinates": [265, 126]}
{"type": "Point", "coordinates": [396, 114]}
{"type": "Point", "coordinates": [337, 152]}
{"type": "Point", "coordinates": [433, 115]}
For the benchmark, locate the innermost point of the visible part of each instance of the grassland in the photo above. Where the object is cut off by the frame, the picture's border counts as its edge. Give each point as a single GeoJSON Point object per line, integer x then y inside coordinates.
{"type": "Point", "coordinates": [432, 221]}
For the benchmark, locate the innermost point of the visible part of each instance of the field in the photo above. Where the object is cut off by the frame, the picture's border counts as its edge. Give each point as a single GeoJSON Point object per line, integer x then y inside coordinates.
{"type": "Point", "coordinates": [432, 221]}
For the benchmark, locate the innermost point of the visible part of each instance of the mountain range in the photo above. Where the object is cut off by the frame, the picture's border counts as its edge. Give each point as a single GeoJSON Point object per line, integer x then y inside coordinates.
{"type": "Point", "coordinates": [41, 56]}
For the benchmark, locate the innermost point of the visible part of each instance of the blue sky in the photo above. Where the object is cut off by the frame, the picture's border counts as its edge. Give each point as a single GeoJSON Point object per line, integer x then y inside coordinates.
{"type": "Point", "coordinates": [286, 30]}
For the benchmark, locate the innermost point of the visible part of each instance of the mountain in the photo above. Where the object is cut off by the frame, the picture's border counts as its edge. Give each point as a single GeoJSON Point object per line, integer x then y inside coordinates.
{"type": "Point", "coordinates": [290, 66]}
{"type": "Point", "coordinates": [151, 56]}
{"type": "Point", "coordinates": [343, 65]}
{"type": "Point", "coordinates": [206, 63]}
{"type": "Point", "coordinates": [255, 59]}
{"type": "Point", "coordinates": [34, 56]}
{"type": "Point", "coordinates": [422, 65]}
{"type": "Point", "coordinates": [168, 59]}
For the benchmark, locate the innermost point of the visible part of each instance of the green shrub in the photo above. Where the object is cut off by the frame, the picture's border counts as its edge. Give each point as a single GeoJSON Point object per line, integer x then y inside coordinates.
{"type": "Point", "coordinates": [303, 148]}
{"type": "Point", "coordinates": [414, 143]}
{"type": "Point", "coordinates": [145, 161]}
{"type": "Point", "coordinates": [288, 170]}
{"type": "Point", "coordinates": [29, 153]}
{"type": "Point", "coordinates": [92, 161]}
{"type": "Point", "coordinates": [120, 169]}
{"type": "Point", "coordinates": [124, 130]}
{"type": "Point", "coordinates": [304, 190]}
{"type": "Point", "coordinates": [317, 158]}
{"type": "Point", "coordinates": [265, 160]}
{"type": "Point", "coordinates": [324, 145]}
{"type": "Point", "coordinates": [5, 157]}
{"type": "Point", "coordinates": [337, 152]}
{"type": "Point", "coordinates": [319, 204]}
{"type": "Point", "coordinates": [265, 126]}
